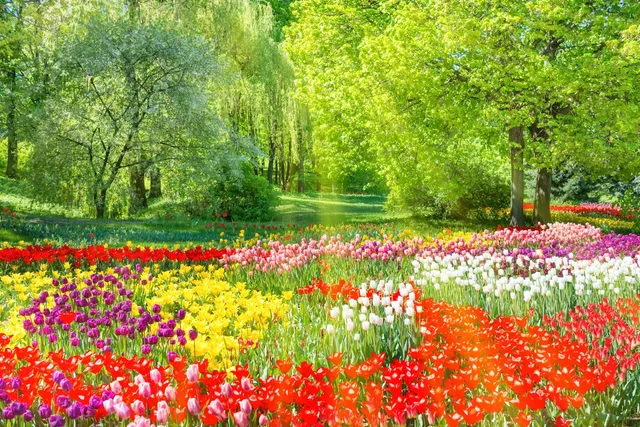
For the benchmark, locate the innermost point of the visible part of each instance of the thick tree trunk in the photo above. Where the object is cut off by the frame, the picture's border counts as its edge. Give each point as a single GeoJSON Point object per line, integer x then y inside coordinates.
{"type": "Point", "coordinates": [272, 161]}
{"type": "Point", "coordinates": [12, 134]}
{"type": "Point", "coordinates": [155, 189]}
{"type": "Point", "coordinates": [301, 177]}
{"type": "Point", "coordinates": [100, 201]}
{"type": "Point", "coordinates": [314, 167]}
{"type": "Point", "coordinates": [283, 184]}
{"type": "Point", "coordinates": [275, 166]}
{"type": "Point", "coordinates": [138, 198]}
{"type": "Point", "coordinates": [516, 139]}
{"type": "Point", "coordinates": [542, 207]}
{"type": "Point", "coordinates": [273, 144]}
{"type": "Point", "coordinates": [270, 170]}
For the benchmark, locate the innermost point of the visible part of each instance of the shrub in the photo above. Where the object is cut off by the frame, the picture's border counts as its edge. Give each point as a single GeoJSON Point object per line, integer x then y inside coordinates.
{"type": "Point", "coordinates": [246, 197]}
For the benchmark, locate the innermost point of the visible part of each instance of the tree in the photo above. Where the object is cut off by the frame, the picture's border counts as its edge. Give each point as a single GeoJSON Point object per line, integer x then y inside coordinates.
{"type": "Point", "coordinates": [439, 76]}
{"type": "Point", "coordinates": [323, 43]}
{"type": "Point", "coordinates": [125, 92]}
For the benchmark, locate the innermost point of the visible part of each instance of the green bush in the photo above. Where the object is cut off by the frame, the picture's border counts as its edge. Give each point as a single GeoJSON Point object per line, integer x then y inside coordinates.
{"type": "Point", "coordinates": [245, 198]}
{"type": "Point", "coordinates": [477, 192]}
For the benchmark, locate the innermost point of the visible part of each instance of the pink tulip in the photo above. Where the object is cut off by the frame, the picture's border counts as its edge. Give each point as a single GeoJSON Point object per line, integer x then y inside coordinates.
{"type": "Point", "coordinates": [171, 393]}
{"type": "Point", "coordinates": [241, 419]}
{"type": "Point", "coordinates": [162, 415]}
{"type": "Point", "coordinates": [246, 384]}
{"type": "Point", "coordinates": [226, 390]}
{"type": "Point", "coordinates": [140, 422]}
{"type": "Point", "coordinates": [109, 406]}
{"type": "Point", "coordinates": [122, 410]}
{"type": "Point", "coordinates": [245, 406]}
{"type": "Point", "coordinates": [137, 407]}
{"type": "Point", "coordinates": [156, 376]}
{"type": "Point", "coordinates": [193, 405]}
{"type": "Point", "coordinates": [216, 408]}
{"type": "Point", "coordinates": [115, 387]}
{"type": "Point", "coordinates": [193, 373]}
{"type": "Point", "coordinates": [144, 389]}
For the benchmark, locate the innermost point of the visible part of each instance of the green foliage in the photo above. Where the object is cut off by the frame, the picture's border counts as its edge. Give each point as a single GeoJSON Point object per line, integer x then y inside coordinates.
{"type": "Point", "coordinates": [436, 85]}
{"type": "Point", "coordinates": [126, 94]}
{"type": "Point", "coordinates": [471, 194]}
{"type": "Point", "coordinates": [250, 199]}
{"type": "Point", "coordinates": [573, 183]}
{"type": "Point", "coordinates": [629, 204]}
{"type": "Point", "coordinates": [239, 194]}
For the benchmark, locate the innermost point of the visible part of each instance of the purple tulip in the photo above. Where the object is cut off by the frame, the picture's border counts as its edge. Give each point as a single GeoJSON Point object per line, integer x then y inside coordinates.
{"type": "Point", "coordinates": [56, 421]}
{"type": "Point", "coordinates": [65, 384]}
{"type": "Point", "coordinates": [95, 402]}
{"type": "Point", "coordinates": [7, 413]}
{"type": "Point", "coordinates": [63, 402]}
{"type": "Point", "coordinates": [18, 408]}
{"type": "Point", "coordinates": [75, 410]}
{"type": "Point", "coordinates": [15, 383]}
{"type": "Point", "coordinates": [44, 411]}
{"type": "Point", "coordinates": [57, 376]}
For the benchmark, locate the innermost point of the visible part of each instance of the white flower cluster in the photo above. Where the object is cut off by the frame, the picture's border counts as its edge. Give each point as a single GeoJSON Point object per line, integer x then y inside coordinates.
{"type": "Point", "coordinates": [525, 277]}
{"type": "Point", "coordinates": [386, 304]}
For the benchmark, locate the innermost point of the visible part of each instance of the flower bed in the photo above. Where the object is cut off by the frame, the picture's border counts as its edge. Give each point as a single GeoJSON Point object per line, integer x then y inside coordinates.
{"type": "Point", "coordinates": [511, 327]}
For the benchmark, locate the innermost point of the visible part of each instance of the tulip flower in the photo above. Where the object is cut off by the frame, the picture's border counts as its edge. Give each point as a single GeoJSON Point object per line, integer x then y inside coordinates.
{"type": "Point", "coordinates": [193, 373]}
{"type": "Point", "coordinates": [170, 393]}
{"type": "Point", "coordinates": [138, 407]}
{"type": "Point", "coordinates": [216, 408]}
{"type": "Point", "coordinates": [144, 389]}
{"type": "Point", "coordinates": [246, 384]}
{"type": "Point", "coordinates": [45, 411]}
{"type": "Point", "coordinates": [156, 376]}
{"type": "Point", "coordinates": [122, 410]}
{"type": "Point", "coordinates": [245, 406]}
{"type": "Point", "coordinates": [226, 390]}
{"type": "Point", "coordinates": [115, 387]}
{"type": "Point", "coordinates": [194, 406]}
{"type": "Point", "coordinates": [240, 419]}
{"type": "Point", "coordinates": [162, 415]}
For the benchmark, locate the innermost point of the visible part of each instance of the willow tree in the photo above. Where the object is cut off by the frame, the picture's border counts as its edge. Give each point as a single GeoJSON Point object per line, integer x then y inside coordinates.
{"type": "Point", "coordinates": [25, 62]}
{"type": "Point", "coordinates": [123, 90]}
{"type": "Point", "coordinates": [255, 103]}
{"type": "Point", "coordinates": [323, 42]}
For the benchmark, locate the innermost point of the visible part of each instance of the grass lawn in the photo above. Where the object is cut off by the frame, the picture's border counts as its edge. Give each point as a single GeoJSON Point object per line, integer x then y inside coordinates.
{"type": "Point", "coordinates": [41, 221]}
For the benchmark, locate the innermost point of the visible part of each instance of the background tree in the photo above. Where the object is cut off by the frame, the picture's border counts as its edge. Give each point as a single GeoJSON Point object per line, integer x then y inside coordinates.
{"type": "Point", "coordinates": [124, 90]}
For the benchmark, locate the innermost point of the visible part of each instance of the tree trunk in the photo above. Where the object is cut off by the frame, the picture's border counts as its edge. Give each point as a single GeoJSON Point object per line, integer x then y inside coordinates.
{"type": "Point", "coordinates": [155, 189]}
{"type": "Point", "coordinates": [301, 177]}
{"type": "Point", "coordinates": [12, 134]}
{"type": "Point", "coordinates": [283, 177]}
{"type": "Point", "coordinates": [516, 139]}
{"type": "Point", "coordinates": [100, 201]}
{"type": "Point", "coordinates": [542, 207]}
{"type": "Point", "coordinates": [275, 167]}
{"type": "Point", "coordinates": [272, 161]}
{"type": "Point", "coordinates": [134, 10]}
{"type": "Point", "coordinates": [138, 198]}
{"type": "Point", "coordinates": [314, 167]}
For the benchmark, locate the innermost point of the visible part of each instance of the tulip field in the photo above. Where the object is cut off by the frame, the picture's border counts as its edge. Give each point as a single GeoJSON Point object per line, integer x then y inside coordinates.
{"type": "Point", "coordinates": [354, 325]}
